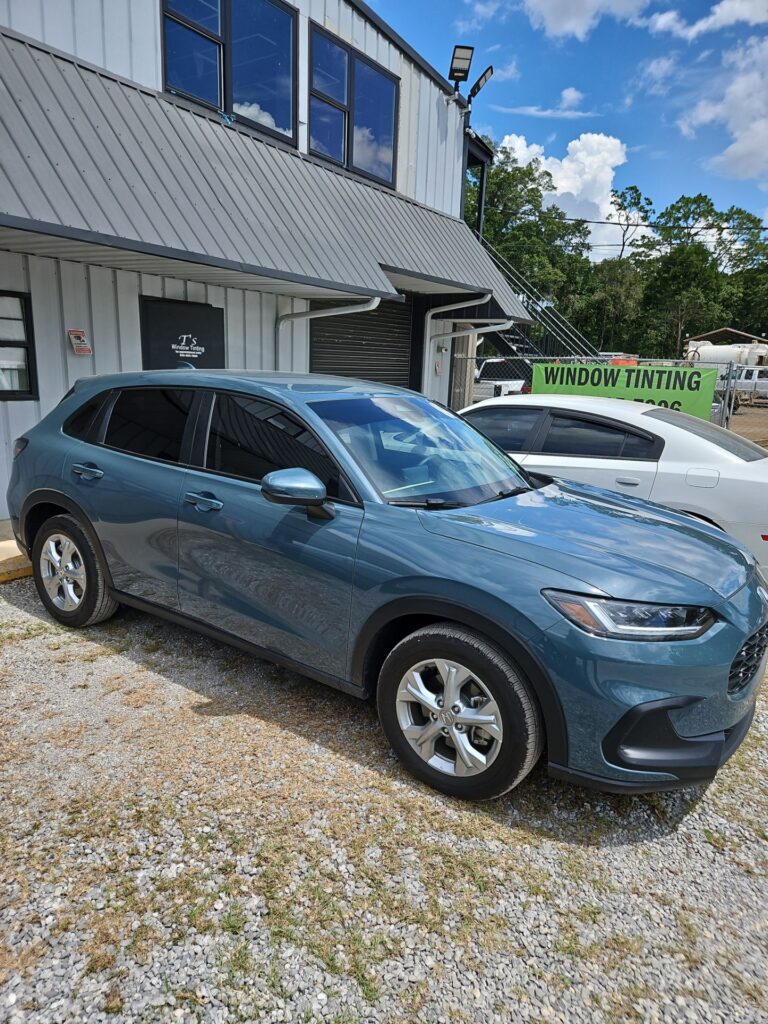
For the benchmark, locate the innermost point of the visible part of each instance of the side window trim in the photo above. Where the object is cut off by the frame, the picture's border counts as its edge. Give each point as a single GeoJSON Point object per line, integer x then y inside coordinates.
{"type": "Point", "coordinates": [199, 447]}
{"type": "Point", "coordinates": [101, 423]}
{"type": "Point", "coordinates": [604, 421]}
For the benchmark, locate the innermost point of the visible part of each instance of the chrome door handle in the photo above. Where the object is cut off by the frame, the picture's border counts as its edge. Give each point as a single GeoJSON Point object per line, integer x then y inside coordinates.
{"type": "Point", "coordinates": [203, 502]}
{"type": "Point", "coordinates": [87, 471]}
{"type": "Point", "coordinates": [628, 481]}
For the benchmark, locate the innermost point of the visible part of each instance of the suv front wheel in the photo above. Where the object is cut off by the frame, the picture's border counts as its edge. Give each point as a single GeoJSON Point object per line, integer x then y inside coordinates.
{"type": "Point", "coordinates": [68, 575]}
{"type": "Point", "coordinates": [459, 713]}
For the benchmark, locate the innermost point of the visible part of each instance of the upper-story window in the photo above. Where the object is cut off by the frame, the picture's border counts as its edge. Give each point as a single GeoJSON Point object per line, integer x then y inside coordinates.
{"type": "Point", "coordinates": [352, 109]}
{"type": "Point", "coordinates": [235, 55]}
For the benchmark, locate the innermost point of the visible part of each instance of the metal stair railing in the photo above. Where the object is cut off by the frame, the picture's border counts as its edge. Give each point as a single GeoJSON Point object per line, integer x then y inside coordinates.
{"type": "Point", "coordinates": [542, 311]}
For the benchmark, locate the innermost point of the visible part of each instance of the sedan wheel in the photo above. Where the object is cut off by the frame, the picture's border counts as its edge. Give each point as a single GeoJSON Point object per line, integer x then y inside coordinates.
{"type": "Point", "coordinates": [449, 717]}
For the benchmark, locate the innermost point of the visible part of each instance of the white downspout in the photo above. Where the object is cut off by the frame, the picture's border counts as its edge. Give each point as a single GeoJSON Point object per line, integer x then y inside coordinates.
{"type": "Point", "coordinates": [428, 327]}
{"type": "Point", "coordinates": [313, 314]}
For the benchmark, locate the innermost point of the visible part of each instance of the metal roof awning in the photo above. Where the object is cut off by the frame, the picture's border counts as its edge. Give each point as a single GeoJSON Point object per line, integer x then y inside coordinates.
{"type": "Point", "coordinates": [97, 169]}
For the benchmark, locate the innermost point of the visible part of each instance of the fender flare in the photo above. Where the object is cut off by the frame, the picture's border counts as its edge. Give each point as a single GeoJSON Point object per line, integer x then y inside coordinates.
{"type": "Point", "coordinates": [47, 496]}
{"type": "Point", "coordinates": [508, 641]}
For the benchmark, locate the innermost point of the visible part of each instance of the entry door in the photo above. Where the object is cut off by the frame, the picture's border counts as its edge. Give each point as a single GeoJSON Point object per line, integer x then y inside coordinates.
{"type": "Point", "coordinates": [181, 332]}
{"type": "Point", "coordinates": [276, 575]}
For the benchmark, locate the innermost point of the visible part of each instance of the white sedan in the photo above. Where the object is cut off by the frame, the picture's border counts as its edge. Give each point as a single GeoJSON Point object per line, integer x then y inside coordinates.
{"type": "Point", "coordinates": [642, 450]}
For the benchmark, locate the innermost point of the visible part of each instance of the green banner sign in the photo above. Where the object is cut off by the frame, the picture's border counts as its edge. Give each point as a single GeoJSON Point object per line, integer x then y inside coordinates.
{"type": "Point", "coordinates": [672, 387]}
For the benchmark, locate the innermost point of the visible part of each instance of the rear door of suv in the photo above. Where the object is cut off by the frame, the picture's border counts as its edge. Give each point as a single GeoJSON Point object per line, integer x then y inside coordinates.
{"type": "Point", "coordinates": [126, 472]}
{"type": "Point", "coordinates": [278, 576]}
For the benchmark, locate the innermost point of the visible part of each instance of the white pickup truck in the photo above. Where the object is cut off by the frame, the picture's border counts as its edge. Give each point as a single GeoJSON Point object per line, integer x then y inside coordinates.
{"type": "Point", "coordinates": [498, 376]}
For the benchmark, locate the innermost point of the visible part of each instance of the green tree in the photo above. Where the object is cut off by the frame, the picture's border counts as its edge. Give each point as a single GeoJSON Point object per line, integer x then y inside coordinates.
{"type": "Point", "coordinates": [531, 233]}
{"type": "Point", "coordinates": [631, 210]}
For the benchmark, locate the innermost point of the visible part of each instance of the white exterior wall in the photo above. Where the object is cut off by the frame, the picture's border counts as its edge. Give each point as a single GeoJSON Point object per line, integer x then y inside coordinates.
{"type": "Point", "coordinates": [106, 304]}
{"type": "Point", "coordinates": [124, 36]}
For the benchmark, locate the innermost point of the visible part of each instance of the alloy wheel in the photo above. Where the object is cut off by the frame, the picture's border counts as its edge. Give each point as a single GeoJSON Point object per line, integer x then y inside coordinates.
{"type": "Point", "coordinates": [63, 572]}
{"type": "Point", "coordinates": [449, 717]}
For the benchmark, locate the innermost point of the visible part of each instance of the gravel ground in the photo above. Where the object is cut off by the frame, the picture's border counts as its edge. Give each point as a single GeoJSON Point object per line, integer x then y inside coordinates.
{"type": "Point", "coordinates": [187, 834]}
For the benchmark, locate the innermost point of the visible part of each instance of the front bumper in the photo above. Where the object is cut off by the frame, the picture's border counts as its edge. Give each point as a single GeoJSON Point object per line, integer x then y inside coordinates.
{"type": "Point", "coordinates": [645, 740]}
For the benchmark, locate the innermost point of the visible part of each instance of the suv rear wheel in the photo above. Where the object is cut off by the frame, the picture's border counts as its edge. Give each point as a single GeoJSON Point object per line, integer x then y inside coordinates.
{"type": "Point", "coordinates": [68, 575]}
{"type": "Point", "coordinates": [459, 713]}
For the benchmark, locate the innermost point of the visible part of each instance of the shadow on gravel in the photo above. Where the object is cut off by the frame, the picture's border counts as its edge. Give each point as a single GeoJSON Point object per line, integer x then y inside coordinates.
{"type": "Point", "coordinates": [231, 682]}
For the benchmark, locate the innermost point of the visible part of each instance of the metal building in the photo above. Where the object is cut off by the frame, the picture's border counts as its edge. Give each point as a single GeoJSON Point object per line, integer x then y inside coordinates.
{"type": "Point", "coordinates": [188, 179]}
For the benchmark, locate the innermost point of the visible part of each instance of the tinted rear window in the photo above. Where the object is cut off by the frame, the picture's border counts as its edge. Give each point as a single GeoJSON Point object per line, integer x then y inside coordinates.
{"type": "Point", "coordinates": [508, 428]}
{"type": "Point", "coordinates": [78, 424]}
{"type": "Point", "coordinates": [726, 440]}
{"type": "Point", "coordinates": [568, 436]}
{"type": "Point", "coordinates": [149, 422]}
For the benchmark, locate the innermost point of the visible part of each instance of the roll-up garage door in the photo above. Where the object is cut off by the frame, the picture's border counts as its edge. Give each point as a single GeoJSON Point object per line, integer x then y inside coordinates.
{"type": "Point", "coordinates": [371, 346]}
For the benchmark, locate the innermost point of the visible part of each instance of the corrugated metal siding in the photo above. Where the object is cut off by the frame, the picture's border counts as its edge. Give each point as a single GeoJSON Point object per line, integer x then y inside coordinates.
{"type": "Point", "coordinates": [93, 155]}
{"type": "Point", "coordinates": [106, 304]}
{"type": "Point", "coordinates": [123, 36]}
{"type": "Point", "coordinates": [370, 346]}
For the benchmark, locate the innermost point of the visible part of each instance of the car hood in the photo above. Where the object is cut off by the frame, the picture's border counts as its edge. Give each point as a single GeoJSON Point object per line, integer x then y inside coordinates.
{"type": "Point", "coordinates": [624, 547]}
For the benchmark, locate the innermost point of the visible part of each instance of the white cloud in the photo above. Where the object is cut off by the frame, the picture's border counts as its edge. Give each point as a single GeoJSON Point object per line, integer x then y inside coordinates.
{"type": "Point", "coordinates": [481, 12]}
{"type": "Point", "coordinates": [578, 17]}
{"type": "Point", "coordinates": [740, 104]}
{"type": "Point", "coordinates": [494, 48]}
{"type": "Point", "coordinates": [508, 73]}
{"type": "Point", "coordinates": [583, 178]}
{"type": "Point", "coordinates": [721, 15]}
{"type": "Point", "coordinates": [570, 98]}
{"type": "Point", "coordinates": [254, 113]}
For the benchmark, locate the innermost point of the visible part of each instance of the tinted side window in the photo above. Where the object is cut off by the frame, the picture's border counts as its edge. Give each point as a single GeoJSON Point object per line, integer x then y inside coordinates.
{"type": "Point", "coordinates": [78, 424]}
{"type": "Point", "coordinates": [149, 422]}
{"type": "Point", "coordinates": [250, 438]}
{"type": "Point", "coordinates": [568, 436]}
{"type": "Point", "coordinates": [508, 428]}
{"type": "Point", "coordinates": [637, 447]}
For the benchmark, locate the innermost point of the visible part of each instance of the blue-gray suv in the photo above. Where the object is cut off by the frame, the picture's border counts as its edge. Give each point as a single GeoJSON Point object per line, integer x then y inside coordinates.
{"type": "Point", "coordinates": [372, 539]}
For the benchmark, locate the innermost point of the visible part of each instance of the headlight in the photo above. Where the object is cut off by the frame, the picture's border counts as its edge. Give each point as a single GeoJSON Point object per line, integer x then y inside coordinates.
{"type": "Point", "coordinates": [630, 620]}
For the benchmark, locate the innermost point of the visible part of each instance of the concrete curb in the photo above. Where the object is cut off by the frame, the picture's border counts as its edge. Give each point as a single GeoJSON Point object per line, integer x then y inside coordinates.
{"type": "Point", "coordinates": [13, 565]}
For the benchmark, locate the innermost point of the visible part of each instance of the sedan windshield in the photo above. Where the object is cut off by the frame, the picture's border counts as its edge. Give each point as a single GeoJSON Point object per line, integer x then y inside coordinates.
{"type": "Point", "coordinates": [417, 453]}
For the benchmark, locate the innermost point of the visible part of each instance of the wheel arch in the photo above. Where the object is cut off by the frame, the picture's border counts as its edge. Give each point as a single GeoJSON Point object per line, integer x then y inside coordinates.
{"type": "Point", "coordinates": [393, 622]}
{"type": "Point", "coordinates": [41, 505]}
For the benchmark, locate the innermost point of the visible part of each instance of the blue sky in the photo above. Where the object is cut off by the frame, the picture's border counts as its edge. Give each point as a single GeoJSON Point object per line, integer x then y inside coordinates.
{"type": "Point", "coordinates": [669, 96]}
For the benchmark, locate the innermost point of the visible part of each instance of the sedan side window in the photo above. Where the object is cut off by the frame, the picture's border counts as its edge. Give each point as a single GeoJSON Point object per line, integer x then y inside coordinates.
{"type": "Point", "coordinates": [249, 438]}
{"type": "Point", "coordinates": [507, 427]}
{"type": "Point", "coordinates": [149, 422]}
{"type": "Point", "coordinates": [571, 436]}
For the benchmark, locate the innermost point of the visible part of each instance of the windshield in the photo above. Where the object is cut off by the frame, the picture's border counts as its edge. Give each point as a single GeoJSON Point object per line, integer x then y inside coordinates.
{"type": "Point", "coordinates": [729, 442]}
{"type": "Point", "coordinates": [418, 453]}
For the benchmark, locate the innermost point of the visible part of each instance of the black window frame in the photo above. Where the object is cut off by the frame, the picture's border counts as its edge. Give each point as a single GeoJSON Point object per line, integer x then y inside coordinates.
{"type": "Point", "coordinates": [224, 41]}
{"type": "Point", "coordinates": [33, 394]}
{"type": "Point", "coordinates": [604, 421]}
{"type": "Point", "coordinates": [204, 418]}
{"type": "Point", "coordinates": [100, 424]}
{"type": "Point", "coordinates": [353, 55]}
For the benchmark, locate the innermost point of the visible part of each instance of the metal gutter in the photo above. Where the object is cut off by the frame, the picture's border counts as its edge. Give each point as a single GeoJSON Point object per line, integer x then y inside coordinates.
{"type": "Point", "coordinates": [314, 314]}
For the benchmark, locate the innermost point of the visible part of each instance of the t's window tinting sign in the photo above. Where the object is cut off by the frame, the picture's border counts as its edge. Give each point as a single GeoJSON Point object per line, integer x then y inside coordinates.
{"type": "Point", "coordinates": [177, 333]}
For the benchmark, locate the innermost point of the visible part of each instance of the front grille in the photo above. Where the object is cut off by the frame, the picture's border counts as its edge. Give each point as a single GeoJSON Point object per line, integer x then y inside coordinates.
{"type": "Point", "coordinates": [747, 661]}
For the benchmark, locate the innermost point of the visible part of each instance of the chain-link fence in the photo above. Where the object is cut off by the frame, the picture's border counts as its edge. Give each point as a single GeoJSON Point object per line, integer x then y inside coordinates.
{"type": "Point", "coordinates": [474, 378]}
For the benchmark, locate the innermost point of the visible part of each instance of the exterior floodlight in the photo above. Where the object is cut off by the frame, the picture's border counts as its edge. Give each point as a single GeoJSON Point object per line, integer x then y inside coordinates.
{"type": "Point", "coordinates": [482, 81]}
{"type": "Point", "coordinates": [460, 62]}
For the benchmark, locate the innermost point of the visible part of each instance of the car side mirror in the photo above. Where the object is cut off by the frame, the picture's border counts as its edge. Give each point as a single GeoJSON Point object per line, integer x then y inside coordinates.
{"type": "Point", "coordinates": [294, 487]}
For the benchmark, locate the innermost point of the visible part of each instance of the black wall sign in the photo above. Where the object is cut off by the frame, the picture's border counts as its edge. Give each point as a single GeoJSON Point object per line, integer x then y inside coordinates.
{"type": "Point", "coordinates": [174, 332]}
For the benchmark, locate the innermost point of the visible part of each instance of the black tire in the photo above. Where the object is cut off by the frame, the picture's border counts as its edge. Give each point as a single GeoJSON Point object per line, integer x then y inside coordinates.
{"type": "Point", "coordinates": [96, 605]}
{"type": "Point", "coordinates": [523, 731]}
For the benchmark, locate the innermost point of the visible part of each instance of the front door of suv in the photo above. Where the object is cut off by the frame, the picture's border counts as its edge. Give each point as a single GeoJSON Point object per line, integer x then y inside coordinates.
{"type": "Point", "coordinates": [127, 476]}
{"type": "Point", "coordinates": [275, 575]}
